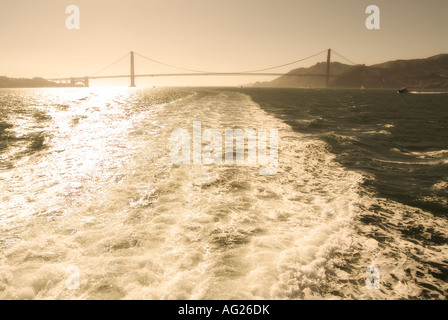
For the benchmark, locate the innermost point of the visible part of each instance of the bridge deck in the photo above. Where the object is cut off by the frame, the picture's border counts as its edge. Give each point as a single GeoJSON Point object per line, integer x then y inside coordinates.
{"type": "Point", "coordinates": [193, 74]}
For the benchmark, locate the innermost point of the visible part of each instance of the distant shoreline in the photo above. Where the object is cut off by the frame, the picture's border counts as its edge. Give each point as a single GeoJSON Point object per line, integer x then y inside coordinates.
{"type": "Point", "coordinates": [6, 82]}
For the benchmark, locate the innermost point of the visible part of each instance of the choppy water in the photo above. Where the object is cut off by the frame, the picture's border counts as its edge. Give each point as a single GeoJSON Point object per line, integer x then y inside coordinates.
{"type": "Point", "coordinates": [87, 181]}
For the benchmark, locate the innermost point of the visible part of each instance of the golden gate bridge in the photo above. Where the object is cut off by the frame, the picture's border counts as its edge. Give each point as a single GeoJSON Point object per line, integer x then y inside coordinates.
{"type": "Point", "coordinates": [84, 81]}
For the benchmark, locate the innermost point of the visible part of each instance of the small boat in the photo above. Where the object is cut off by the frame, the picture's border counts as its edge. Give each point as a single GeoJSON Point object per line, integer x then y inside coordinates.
{"type": "Point", "coordinates": [403, 90]}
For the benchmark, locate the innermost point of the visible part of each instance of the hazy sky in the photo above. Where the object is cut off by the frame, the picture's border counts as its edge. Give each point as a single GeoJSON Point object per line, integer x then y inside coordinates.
{"type": "Point", "coordinates": [224, 35]}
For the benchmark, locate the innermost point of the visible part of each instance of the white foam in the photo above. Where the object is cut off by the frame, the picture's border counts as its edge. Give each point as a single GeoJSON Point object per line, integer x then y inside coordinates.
{"type": "Point", "coordinates": [138, 227]}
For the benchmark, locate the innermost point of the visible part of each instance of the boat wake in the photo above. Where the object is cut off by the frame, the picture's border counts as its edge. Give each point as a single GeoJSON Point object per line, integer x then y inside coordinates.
{"type": "Point", "coordinates": [428, 92]}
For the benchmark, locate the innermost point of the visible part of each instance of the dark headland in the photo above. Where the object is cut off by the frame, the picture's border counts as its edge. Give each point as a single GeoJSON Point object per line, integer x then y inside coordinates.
{"type": "Point", "coordinates": [430, 73]}
{"type": "Point", "coordinates": [6, 82]}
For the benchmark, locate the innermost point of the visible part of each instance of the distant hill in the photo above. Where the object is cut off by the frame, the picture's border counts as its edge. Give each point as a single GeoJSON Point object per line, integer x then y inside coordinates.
{"type": "Point", "coordinates": [6, 82]}
{"type": "Point", "coordinates": [418, 73]}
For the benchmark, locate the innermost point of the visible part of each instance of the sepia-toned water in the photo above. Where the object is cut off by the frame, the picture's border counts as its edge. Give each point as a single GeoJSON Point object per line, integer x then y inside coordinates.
{"type": "Point", "coordinates": [87, 185]}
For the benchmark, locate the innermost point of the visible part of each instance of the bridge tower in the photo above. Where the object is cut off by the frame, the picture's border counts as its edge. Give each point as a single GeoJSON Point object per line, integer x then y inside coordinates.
{"type": "Point", "coordinates": [327, 76]}
{"type": "Point", "coordinates": [132, 70]}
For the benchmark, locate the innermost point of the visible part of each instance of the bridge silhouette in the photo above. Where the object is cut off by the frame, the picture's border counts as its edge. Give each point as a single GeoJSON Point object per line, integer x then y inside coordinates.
{"type": "Point", "coordinates": [84, 81]}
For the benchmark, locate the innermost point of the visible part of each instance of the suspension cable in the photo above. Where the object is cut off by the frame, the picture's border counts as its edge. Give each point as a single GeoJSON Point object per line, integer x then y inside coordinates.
{"type": "Point", "coordinates": [110, 65]}
{"type": "Point", "coordinates": [346, 59]}
{"type": "Point", "coordinates": [201, 71]}
{"type": "Point", "coordinates": [250, 71]}
{"type": "Point", "coordinates": [169, 65]}
{"type": "Point", "coordinates": [286, 64]}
